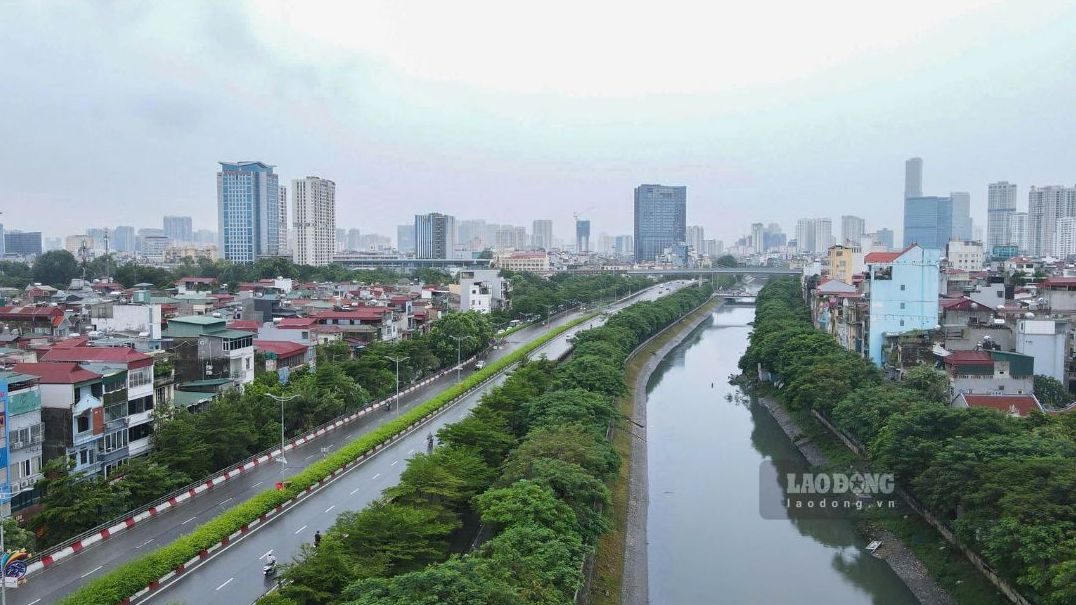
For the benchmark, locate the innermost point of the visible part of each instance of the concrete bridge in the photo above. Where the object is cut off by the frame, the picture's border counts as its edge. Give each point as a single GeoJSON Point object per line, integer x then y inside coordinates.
{"type": "Point", "coordinates": [705, 271]}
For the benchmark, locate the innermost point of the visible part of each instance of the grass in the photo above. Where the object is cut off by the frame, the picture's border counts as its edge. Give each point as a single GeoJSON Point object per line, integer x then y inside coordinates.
{"type": "Point", "coordinates": [609, 558]}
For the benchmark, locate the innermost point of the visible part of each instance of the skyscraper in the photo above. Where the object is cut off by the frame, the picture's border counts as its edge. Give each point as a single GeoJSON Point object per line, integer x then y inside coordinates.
{"type": "Point", "coordinates": [542, 234]}
{"type": "Point", "coordinates": [314, 209]}
{"type": "Point", "coordinates": [961, 215]}
{"type": "Point", "coordinates": [1044, 206]}
{"type": "Point", "coordinates": [123, 239]}
{"type": "Point", "coordinates": [624, 245]}
{"type": "Point", "coordinates": [582, 236]}
{"type": "Point", "coordinates": [884, 237]}
{"type": "Point", "coordinates": [660, 219]}
{"type": "Point", "coordinates": [248, 211]}
{"type": "Point", "coordinates": [928, 221]}
{"type": "Point", "coordinates": [1017, 232]}
{"type": "Point", "coordinates": [405, 239]}
{"type": "Point", "coordinates": [435, 235]}
{"type": "Point", "coordinates": [913, 177]}
{"type": "Point", "coordinates": [282, 220]}
{"type": "Point", "coordinates": [1000, 207]}
{"type": "Point", "coordinates": [22, 243]}
{"type": "Point", "coordinates": [696, 235]}
{"type": "Point", "coordinates": [179, 229]}
{"type": "Point", "coordinates": [758, 238]}
{"type": "Point", "coordinates": [814, 235]}
{"type": "Point", "coordinates": [852, 229]}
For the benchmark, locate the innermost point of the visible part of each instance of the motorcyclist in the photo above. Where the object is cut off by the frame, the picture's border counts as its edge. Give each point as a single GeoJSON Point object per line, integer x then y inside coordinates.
{"type": "Point", "coordinates": [270, 564]}
{"type": "Point", "coordinates": [429, 442]}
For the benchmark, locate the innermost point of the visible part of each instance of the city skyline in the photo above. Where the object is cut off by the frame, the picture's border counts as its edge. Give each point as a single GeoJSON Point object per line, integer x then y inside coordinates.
{"type": "Point", "coordinates": [387, 150]}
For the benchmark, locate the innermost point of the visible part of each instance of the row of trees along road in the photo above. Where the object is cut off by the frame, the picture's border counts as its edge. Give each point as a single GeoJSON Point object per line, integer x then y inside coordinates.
{"type": "Point", "coordinates": [525, 474]}
{"type": "Point", "coordinates": [236, 425]}
{"type": "Point", "coordinates": [1006, 486]}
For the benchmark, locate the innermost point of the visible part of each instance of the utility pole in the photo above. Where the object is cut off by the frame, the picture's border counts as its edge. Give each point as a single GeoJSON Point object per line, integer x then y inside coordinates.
{"type": "Point", "coordinates": [459, 350]}
{"type": "Point", "coordinates": [283, 461]}
{"type": "Point", "coordinates": [397, 359]}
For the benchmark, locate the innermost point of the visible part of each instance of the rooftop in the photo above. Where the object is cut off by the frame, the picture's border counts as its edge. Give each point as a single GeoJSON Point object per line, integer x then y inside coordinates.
{"type": "Point", "coordinates": [57, 372]}
{"type": "Point", "coordinates": [120, 355]}
{"type": "Point", "coordinates": [282, 348]}
{"type": "Point", "coordinates": [1021, 405]}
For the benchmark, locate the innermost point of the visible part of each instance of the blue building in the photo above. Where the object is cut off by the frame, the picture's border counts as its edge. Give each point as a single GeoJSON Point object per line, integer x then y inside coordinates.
{"type": "Point", "coordinates": [928, 221]}
{"type": "Point", "coordinates": [660, 220]}
{"type": "Point", "coordinates": [249, 212]}
{"type": "Point", "coordinates": [903, 290]}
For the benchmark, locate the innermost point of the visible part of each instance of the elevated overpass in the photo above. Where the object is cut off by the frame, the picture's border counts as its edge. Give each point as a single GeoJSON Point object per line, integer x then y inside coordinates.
{"type": "Point", "coordinates": [701, 271]}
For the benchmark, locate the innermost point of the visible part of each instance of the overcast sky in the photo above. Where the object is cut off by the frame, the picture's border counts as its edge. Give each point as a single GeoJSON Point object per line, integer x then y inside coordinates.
{"type": "Point", "coordinates": [118, 112]}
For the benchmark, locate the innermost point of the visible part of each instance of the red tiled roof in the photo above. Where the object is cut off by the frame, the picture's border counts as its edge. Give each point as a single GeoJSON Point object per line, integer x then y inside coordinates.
{"type": "Point", "coordinates": [77, 341]}
{"type": "Point", "coordinates": [885, 257]}
{"type": "Point", "coordinates": [244, 324]}
{"type": "Point", "coordinates": [124, 355]}
{"type": "Point", "coordinates": [196, 280]}
{"type": "Point", "coordinates": [282, 348]}
{"type": "Point", "coordinates": [961, 304]}
{"type": "Point", "coordinates": [12, 312]}
{"type": "Point", "coordinates": [1022, 404]}
{"type": "Point", "coordinates": [57, 372]}
{"type": "Point", "coordinates": [296, 322]}
{"type": "Point", "coordinates": [1059, 281]}
{"type": "Point", "coordinates": [367, 313]}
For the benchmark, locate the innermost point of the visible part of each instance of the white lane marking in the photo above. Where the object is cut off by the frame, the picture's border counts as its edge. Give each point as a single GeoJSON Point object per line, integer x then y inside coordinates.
{"type": "Point", "coordinates": [411, 452]}
{"type": "Point", "coordinates": [353, 491]}
{"type": "Point", "coordinates": [330, 508]}
{"type": "Point", "coordinates": [227, 500]}
{"type": "Point", "coordinates": [144, 543]}
{"type": "Point", "coordinates": [35, 601]}
{"type": "Point", "coordinates": [189, 520]}
{"type": "Point", "coordinates": [394, 462]}
{"type": "Point", "coordinates": [94, 570]}
{"type": "Point", "coordinates": [229, 581]}
{"type": "Point", "coordinates": [376, 476]}
{"type": "Point", "coordinates": [267, 553]}
{"type": "Point", "coordinates": [310, 456]}
{"type": "Point", "coordinates": [257, 484]}
{"type": "Point", "coordinates": [300, 529]}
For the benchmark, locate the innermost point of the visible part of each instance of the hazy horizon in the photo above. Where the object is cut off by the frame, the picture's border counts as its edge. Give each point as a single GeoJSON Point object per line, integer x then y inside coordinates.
{"type": "Point", "coordinates": [118, 113]}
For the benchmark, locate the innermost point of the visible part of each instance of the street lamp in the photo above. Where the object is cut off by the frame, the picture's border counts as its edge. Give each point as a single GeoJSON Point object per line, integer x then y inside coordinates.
{"type": "Point", "coordinates": [397, 359]}
{"type": "Point", "coordinates": [283, 461]}
{"type": "Point", "coordinates": [459, 349]}
{"type": "Point", "coordinates": [5, 499]}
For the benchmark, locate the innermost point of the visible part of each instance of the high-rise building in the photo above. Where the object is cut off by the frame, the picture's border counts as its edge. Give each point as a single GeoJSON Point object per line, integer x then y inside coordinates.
{"type": "Point", "coordinates": [852, 230]}
{"type": "Point", "coordinates": [475, 235]}
{"type": "Point", "coordinates": [660, 219]}
{"type": "Point", "coordinates": [962, 228]}
{"type": "Point", "coordinates": [286, 241]}
{"type": "Point", "coordinates": [582, 236]}
{"type": "Point", "coordinates": [98, 235]}
{"type": "Point", "coordinates": [913, 177]}
{"type": "Point", "coordinates": [1017, 232]}
{"type": "Point", "coordinates": [22, 243]}
{"type": "Point", "coordinates": [542, 234]}
{"type": "Point", "coordinates": [405, 239]}
{"type": "Point", "coordinates": [928, 221]}
{"type": "Point", "coordinates": [314, 209]}
{"type": "Point", "coordinates": [624, 246]}
{"type": "Point", "coordinates": [696, 235]}
{"type": "Point", "coordinates": [248, 211]}
{"type": "Point", "coordinates": [1000, 206]}
{"type": "Point", "coordinates": [354, 238]}
{"type": "Point", "coordinates": [123, 239]}
{"type": "Point", "coordinates": [3, 242]}
{"type": "Point", "coordinates": [758, 238]}
{"type": "Point", "coordinates": [1045, 205]}
{"type": "Point", "coordinates": [1065, 237]}
{"type": "Point", "coordinates": [179, 229]}
{"type": "Point", "coordinates": [435, 235]}
{"type": "Point", "coordinates": [510, 237]}
{"type": "Point", "coordinates": [814, 235]}
{"type": "Point", "coordinates": [773, 238]}
{"type": "Point", "coordinates": [884, 237]}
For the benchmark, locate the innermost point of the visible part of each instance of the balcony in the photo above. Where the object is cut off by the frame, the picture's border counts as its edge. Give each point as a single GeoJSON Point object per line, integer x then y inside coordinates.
{"type": "Point", "coordinates": [14, 445]}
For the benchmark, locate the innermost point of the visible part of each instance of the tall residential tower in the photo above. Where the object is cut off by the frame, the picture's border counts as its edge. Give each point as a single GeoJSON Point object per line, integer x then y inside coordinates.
{"type": "Point", "coordinates": [248, 211]}
{"type": "Point", "coordinates": [314, 211]}
{"type": "Point", "coordinates": [660, 220]}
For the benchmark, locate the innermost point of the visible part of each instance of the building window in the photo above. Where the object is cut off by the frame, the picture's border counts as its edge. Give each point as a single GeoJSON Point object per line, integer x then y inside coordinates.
{"type": "Point", "coordinates": [902, 287]}
{"type": "Point", "coordinates": [901, 305]}
{"type": "Point", "coordinates": [902, 323]}
{"type": "Point", "coordinates": [83, 424]}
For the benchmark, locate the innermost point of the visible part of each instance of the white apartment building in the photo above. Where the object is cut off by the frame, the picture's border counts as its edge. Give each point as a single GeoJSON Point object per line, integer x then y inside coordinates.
{"type": "Point", "coordinates": [1065, 237]}
{"type": "Point", "coordinates": [1000, 207]}
{"type": "Point", "coordinates": [535, 262]}
{"type": "Point", "coordinates": [967, 256]}
{"type": "Point", "coordinates": [314, 208]}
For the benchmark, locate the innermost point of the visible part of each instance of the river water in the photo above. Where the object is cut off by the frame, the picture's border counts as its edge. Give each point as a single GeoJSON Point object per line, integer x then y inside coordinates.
{"type": "Point", "coordinates": [707, 541]}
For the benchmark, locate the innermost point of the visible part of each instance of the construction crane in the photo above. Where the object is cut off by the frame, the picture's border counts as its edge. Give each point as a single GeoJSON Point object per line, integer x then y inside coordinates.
{"type": "Point", "coordinates": [582, 241]}
{"type": "Point", "coordinates": [580, 213]}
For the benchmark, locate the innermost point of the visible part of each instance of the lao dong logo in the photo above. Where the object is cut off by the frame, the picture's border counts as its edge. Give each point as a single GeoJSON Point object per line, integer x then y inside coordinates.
{"type": "Point", "coordinates": [785, 491]}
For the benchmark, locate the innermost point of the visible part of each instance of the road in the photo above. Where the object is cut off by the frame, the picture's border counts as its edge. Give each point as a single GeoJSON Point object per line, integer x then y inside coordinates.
{"type": "Point", "coordinates": [234, 574]}
{"type": "Point", "coordinates": [68, 574]}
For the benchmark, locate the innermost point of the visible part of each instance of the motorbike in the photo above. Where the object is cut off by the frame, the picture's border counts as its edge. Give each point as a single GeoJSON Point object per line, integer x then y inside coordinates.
{"type": "Point", "coordinates": [269, 570]}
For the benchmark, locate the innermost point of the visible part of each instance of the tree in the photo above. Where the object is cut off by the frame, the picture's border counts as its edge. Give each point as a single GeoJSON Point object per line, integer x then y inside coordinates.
{"type": "Point", "coordinates": [932, 384]}
{"type": "Point", "coordinates": [145, 480]}
{"type": "Point", "coordinates": [396, 538]}
{"type": "Point", "coordinates": [72, 503]}
{"type": "Point", "coordinates": [448, 477]}
{"type": "Point", "coordinates": [17, 538]}
{"type": "Point", "coordinates": [726, 261]}
{"type": "Point", "coordinates": [593, 373]}
{"type": "Point", "coordinates": [460, 581]}
{"type": "Point", "coordinates": [569, 443]}
{"type": "Point", "coordinates": [571, 406]}
{"type": "Point", "coordinates": [55, 267]}
{"type": "Point", "coordinates": [484, 431]}
{"type": "Point", "coordinates": [1051, 392]}
{"type": "Point", "coordinates": [525, 502]}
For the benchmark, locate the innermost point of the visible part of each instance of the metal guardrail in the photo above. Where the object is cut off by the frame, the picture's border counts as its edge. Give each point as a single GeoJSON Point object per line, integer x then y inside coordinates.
{"type": "Point", "coordinates": [210, 478]}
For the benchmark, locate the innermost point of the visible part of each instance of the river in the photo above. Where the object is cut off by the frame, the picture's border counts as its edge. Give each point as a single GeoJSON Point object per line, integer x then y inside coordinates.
{"type": "Point", "coordinates": [707, 541]}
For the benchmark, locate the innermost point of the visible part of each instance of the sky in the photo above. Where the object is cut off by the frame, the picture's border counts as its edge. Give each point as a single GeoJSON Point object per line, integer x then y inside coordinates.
{"type": "Point", "coordinates": [118, 112]}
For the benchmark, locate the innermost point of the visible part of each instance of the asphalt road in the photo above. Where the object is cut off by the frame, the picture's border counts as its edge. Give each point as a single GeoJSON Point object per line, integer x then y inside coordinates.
{"type": "Point", "coordinates": [233, 575]}
{"type": "Point", "coordinates": [68, 574]}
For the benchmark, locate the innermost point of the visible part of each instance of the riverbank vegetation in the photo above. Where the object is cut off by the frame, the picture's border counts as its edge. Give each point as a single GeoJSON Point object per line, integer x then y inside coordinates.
{"type": "Point", "coordinates": [508, 506]}
{"type": "Point", "coordinates": [1005, 486]}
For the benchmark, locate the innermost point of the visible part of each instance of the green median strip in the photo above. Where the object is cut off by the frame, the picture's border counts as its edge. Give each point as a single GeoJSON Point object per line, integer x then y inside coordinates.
{"type": "Point", "coordinates": [133, 576]}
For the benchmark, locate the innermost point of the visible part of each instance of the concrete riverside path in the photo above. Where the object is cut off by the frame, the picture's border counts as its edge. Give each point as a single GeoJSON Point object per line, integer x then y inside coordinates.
{"type": "Point", "coordinates": [234, 574]}
{"type": "Point", "coordinates": [70, 573]}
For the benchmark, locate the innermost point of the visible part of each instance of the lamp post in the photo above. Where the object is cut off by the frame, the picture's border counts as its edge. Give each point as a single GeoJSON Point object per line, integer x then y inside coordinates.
{"type": "Point", "coordinates": [459, 351]}
{"type": "Point", "coordinates": [397, 359]}
{"type": "Point", "coordinates": [5, 499]}
{"type": "Point", "coordinates": [283, 461]}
